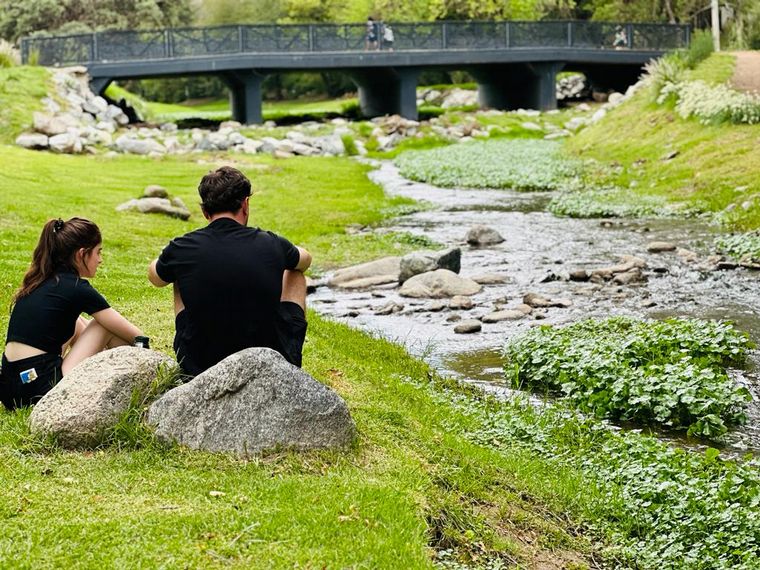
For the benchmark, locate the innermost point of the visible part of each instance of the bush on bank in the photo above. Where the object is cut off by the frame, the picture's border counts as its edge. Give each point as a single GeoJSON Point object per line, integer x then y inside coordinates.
{"type": "Point", "coordinates": [670, 373]}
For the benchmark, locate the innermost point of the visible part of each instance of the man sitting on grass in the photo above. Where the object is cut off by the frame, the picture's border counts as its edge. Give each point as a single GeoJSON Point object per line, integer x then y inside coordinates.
{"type": "Point", "coordinates": [235, 287]}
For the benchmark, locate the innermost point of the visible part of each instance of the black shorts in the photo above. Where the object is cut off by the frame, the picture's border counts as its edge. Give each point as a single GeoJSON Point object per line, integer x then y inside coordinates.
{"type": "Point", "coordinates": [288, 338]}
{"type": "Point", "coordinates": [23, 382]}
{"type": "Point", "coordinates": [290, 329]}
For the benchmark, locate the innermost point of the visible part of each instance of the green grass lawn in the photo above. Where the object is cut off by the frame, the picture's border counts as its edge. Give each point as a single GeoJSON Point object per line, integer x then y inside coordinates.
{"type": "Point", "coordinates": [714, 165]}
{"type": "Point", "coordinates": [406, 486]}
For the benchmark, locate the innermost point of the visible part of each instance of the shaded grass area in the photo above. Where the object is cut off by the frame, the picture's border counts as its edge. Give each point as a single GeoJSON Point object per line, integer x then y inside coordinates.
{"type": "Point", "coordinates": [650, 154]}
{"type": "Point", "coordinates": [219, 109]}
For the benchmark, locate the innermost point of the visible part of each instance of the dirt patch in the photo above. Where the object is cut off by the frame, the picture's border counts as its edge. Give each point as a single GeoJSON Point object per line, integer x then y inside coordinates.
{"type": "Point", "coordinates": [747, 72]}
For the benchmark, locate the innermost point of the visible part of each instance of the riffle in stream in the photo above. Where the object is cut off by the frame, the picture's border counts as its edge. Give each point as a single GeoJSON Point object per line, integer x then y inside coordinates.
{"type": "Point", "coordinates": [538, 250]}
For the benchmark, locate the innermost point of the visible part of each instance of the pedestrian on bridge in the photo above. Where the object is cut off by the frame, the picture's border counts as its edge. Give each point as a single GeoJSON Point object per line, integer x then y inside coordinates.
{"type": "Point", "coordinates": [371, 35]}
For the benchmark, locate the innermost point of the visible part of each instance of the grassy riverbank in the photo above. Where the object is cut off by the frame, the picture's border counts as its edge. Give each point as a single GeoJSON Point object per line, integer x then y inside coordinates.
{"type": "Point", "coordinates": [653, 156]}
{"type": "Point", "coordinates": [440, 474]}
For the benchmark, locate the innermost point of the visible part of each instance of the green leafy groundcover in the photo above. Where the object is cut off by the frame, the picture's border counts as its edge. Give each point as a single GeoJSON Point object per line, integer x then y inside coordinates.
{"type": "Point", "coordinates": [740, 246]}
{"type": "Point", "coordinates": [518, 164]}
{"type": "Point", "coordinates": [668, 373]}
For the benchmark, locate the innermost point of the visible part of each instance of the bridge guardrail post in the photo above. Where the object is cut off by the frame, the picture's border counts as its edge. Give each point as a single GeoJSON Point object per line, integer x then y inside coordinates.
{"type": "Point", "coordinates": [570, 34]}
{"type": "Point", "coordinates": [24, 51]}
{"type": "Point", "coordinates": [311, 37]}
{"type": "Point", "coordinates": [241, 44]}
{"type": "Point", "coordinates": [629, 36]}
{"type": "Point", "coordinates": [444, 37]}
{"type": "Point", "coordinates": [507, 35]}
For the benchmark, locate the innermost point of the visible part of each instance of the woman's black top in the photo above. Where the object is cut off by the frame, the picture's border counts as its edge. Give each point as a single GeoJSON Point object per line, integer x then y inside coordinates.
{"type": "Point", "coordinates": [46, 317]}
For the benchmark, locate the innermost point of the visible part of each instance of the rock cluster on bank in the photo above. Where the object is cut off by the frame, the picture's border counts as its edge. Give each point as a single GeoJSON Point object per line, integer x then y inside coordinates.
{"type": "Point", "coordinates": [156, 200]}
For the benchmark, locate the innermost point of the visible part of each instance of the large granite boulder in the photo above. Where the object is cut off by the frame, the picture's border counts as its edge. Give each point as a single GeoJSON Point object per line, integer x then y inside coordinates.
{"type": "Point", "coordinates": [438, 284]}
{"type": "Point", "coordinates": [370, 274]}
{"type": "Point", "coordinates": [91, 399]}
{"type": "Point", "coordinates": [251, 401]}
{"type": "Point", "coordinates": [423, 261]}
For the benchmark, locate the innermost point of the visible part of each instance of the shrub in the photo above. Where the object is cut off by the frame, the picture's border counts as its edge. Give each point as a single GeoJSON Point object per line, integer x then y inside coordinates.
{"type": "Point", "coordinates": [668, 373]}
{"type": "Point", "coordinates": [517, 164]}
{"type": "Point", "coordinates": [700, 48]}
{"type": "Point", "coordinates": [740, 246]}
{"type": "Point", "coordinates": [712, 104]}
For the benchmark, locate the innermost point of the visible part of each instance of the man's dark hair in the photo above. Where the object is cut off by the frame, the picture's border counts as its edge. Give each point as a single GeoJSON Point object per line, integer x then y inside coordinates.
{"type": "Point", "coordinates": [223, 190]}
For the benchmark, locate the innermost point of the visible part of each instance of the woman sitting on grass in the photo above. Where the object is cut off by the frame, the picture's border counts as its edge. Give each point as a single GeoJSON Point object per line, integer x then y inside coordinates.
{"type": "Point", "coordinates": [47, 337]}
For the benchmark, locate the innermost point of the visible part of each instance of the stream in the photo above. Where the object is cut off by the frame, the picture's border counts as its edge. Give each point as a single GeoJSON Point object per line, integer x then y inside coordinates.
{"type": "Point", "coordinates": [539, 249]}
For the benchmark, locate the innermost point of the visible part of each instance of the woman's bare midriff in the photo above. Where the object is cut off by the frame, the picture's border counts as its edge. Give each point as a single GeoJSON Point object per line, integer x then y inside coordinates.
{"type": "Point", "coordinates": [18, 351]}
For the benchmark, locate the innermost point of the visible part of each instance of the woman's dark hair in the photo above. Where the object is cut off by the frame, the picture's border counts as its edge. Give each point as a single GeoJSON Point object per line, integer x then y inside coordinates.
{"type": "Point", "coordinates": [223, 190]}
{"type": "Point", "coordinates": [57, 249]}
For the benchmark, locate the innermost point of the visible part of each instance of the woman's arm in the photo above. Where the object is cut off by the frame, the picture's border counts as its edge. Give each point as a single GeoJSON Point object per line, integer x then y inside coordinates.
{"type": "Point", "coordinates": [111, 320]}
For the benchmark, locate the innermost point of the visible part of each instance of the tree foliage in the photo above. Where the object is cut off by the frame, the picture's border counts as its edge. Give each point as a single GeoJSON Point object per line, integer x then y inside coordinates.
{"type": "Point", "coordinates": [69, 16]}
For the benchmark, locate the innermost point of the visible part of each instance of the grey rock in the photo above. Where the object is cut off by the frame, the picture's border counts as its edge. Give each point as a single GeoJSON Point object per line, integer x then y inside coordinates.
{"type": "Point", "coordinates": [490, 279]}
{"type": "Point", "coordinates": [483, 235]}
{"type": "Point", "coordinates": [468, 326]}
{"type": "Point", "coordinates": [154, 206]}
{"type": "Point", "coordinates": [51, 125]}
{"type": "Point", "coordinates": [660, 246]}
{"type": "Point", "coordinates": [32, 140]}
{"type": "Point", "coordinates": [252, 401]}
{"type": "Point", "coordinates": [126, 143]}
{"type": "Point", "coordinates": [453, 318]}
{"type": "Point", "coordinates": [579, 275]}
{"type": "Point", "coordinates": [534, 300]}
{"type": "Point", "coordinates": [377, 272]}
{"type": "Point", "coordinates": [505, 315]}
{"type": "Point", "coordinates": [460, 302]}
{"type": "Point", "coordinates": [632, 276]}
{"type": "Point", "coordinates": [155, 191]}
{"type": "Point", "coordinates": [435, 307]}
{"type": "Point", "coordinates": [389, 308]}
{"type": "Point", "coordinates": [524, 309]}
{"type": "Point", "coordinates": [423, 261]}
{"type": "Point", "coordinates": [65, 143]}
{"type": "Point", "coordinates": [438, 284]}
{"type": "Point", "coordinates": [91, 398]}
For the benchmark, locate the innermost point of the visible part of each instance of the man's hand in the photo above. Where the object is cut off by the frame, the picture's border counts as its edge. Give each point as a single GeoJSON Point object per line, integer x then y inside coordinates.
{"type": "Point", "coordinates": [303, 263]}
{"type": "Point", "coordinates": [156, 280]}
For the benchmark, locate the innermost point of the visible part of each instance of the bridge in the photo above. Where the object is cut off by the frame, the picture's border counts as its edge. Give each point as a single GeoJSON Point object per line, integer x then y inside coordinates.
{"type": "Point", "coordinates": [514, 63]}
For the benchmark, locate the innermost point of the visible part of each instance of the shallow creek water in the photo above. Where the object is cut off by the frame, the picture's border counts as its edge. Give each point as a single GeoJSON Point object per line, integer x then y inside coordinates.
{"type": "Point", "coordinates": [537, 245]}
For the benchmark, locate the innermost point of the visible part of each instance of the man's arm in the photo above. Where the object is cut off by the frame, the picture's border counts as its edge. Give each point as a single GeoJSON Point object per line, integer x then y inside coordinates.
{"type": "Point", "coordinates": [156, 280]}
{"type": "Point", "coordinates": [304, 260]}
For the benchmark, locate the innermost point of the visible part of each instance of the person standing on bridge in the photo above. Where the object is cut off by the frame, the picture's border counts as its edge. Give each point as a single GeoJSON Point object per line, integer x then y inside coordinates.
{"type": "Point", "coordinates": [371, 35]}
{"type": "Point", "coordinates": [235, 287]}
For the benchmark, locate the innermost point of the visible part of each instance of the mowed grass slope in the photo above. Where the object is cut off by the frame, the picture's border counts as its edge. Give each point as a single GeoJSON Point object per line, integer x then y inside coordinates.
{"type": "Point", "coordinates": [650, 151]}
{"type": "Point", "coordinates": [409, 484]}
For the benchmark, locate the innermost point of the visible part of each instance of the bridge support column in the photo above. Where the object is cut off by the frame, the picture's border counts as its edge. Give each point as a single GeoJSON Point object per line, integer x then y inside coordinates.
{"type": "Point", "coordinates": [245, 95]}
{"type": "Point", "coordinates": [387, 91]}
{"type": "Point", "coordinates": [526, 85]}
{"type": "Point", "coordinates": [98, 85]}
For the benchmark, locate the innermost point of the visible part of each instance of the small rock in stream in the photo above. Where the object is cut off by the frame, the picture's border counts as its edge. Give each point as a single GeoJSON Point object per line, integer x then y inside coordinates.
{"type": "Point", "coordinates": [461, 302]}
{"type": "Point", "coordinates": [389, 308]}
{"type": "Point", "coordinates": [505, 315]}
{"type": "Point", "coordinates": [453, 318]}
{"type": "Point", "coordinates": [483, 235]}
{"type": "Point", "coordinates": [660, 246]}
{"type": "Point", "coordinates": [579, 275]}
{"type": "Point", "coordinates": [490, 279]}
{"type": "Point", "coordinates": [467, 327]}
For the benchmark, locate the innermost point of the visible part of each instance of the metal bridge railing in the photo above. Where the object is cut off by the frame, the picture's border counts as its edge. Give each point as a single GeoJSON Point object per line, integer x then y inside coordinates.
{"type": "Point", "coordinates": [115, 46]}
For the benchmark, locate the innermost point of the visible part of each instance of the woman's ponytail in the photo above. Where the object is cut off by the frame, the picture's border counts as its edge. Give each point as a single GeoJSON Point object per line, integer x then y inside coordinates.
{"type": "Point", "coordinates": [56, 249]}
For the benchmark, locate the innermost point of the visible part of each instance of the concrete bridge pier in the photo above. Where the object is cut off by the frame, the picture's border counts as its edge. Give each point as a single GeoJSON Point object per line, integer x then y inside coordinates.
{"type": "Point", "coordinates": [387, 91]}
{"type": "Point", "coordinates": [518, 86]}
{"type": "Point", "coordinates": [245, 95]}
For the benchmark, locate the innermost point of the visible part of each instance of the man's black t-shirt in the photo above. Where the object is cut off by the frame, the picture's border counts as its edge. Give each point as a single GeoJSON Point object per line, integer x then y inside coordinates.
{"type": "Point", "coordinates": [46, 317]}
{"type": "Point", "coordinates": [230, 279]}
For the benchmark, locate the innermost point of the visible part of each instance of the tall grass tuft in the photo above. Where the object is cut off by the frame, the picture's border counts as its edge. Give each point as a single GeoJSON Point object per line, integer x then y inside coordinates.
{"type": "Point", "coordinates": [131, 432]}
{"type": "Point", "coordinates": [9, 55]}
